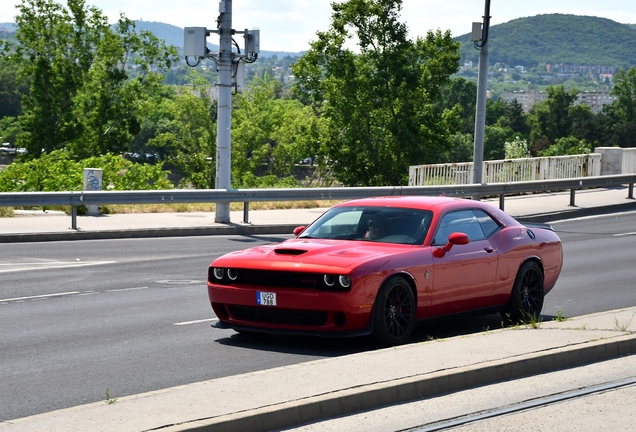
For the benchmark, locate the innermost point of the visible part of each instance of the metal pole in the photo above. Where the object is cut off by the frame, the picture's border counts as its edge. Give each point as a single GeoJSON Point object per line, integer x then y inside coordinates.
{"type": "Point", "coordinates": [224, 124]}
{"type": "Point", "coordinates": [480, 114]}
{"type": "Point", "coordinates": [246, 212]}
{"type": "Point", "coordinates": [74, 217]}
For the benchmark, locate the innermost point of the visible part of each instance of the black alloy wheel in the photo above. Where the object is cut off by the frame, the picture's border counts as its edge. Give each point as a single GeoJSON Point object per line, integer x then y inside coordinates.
{"type": "Point", "coordinates": [394, 312]}
{"type": "Point", "coordinates": [526, 298]}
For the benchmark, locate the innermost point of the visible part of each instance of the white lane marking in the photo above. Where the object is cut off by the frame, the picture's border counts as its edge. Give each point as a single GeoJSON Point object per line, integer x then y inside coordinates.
{"type": "Point", "coordinates": [48, 265]}
{"type": "Point", "coordinates": [39, 296]}
{"type": "Point", "coordinates": [127, 289]}
{"type": "Point", "coordinates": [196, 322]}
{"type": "Point", "coordinates": [624, 234]}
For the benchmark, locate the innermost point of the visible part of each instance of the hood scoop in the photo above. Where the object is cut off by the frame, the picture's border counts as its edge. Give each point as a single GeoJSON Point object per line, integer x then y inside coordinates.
{"type": "Point", "coordinates": [283, 251]}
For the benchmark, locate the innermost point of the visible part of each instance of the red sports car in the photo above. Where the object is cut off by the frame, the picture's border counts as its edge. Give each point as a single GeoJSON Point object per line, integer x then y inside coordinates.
{"type": "Point", "coordinates": [378, 265]}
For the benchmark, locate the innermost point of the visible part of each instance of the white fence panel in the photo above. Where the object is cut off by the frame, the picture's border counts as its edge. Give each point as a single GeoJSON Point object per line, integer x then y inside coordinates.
{"type": "Point", "coordinates": [510, 170]}
{"type": "Point", "coordinates": [441, 174]}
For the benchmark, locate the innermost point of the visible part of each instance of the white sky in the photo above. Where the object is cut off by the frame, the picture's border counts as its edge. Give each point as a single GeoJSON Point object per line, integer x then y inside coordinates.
{"type": "Point", "coordinates": [289, 25]}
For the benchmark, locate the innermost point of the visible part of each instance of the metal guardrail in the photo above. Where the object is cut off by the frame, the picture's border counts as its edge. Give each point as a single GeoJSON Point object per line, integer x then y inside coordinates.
{"type": "Point", "coordinates": [475, 191]}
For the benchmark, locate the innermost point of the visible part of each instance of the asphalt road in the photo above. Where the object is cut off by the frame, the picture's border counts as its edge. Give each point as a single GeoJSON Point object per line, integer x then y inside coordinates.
{"type": "Point", "coordinates": [130, 316]}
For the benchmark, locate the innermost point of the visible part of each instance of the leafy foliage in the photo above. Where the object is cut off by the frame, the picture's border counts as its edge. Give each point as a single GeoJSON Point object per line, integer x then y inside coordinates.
{"type": "Point", "coordinates": [381, 104]}
{"type": "Point", "coordinates": [270, 135]}
{"type": "Point", "coordinates": [516, 149]}
{"type": "Point", "coordinates": [187, 134]}
{"type": "Point", "coordinates": [81, 95]}
{"type": "Point", "coordinates": [58, 171]}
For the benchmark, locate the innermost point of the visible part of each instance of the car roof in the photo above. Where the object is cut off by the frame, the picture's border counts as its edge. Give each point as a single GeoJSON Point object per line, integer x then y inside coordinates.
{"type": "Point", "coordinates": [417, 202]}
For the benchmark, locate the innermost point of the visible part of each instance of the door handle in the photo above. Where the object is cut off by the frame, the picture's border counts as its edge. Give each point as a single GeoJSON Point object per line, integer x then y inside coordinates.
{"type": "Point", "coordinates": [489, 249]}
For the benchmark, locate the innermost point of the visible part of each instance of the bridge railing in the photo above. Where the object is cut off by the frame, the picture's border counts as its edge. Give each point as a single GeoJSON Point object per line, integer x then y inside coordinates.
{"type": "Point", "coordinates": [509, 170]}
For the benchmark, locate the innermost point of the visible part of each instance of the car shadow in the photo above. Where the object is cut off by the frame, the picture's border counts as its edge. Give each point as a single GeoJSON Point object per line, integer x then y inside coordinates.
{"type": "Point", "coordinates": [335, 347]}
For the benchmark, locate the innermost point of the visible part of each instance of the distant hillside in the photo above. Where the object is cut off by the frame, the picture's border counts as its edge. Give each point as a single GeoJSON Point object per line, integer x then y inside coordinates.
{"type": "Point", "coordinates": [558, 38]}
{"type": "Point", "coordinates": [9, 26]}
{"type": "Point", "coordinates": [173, 35]}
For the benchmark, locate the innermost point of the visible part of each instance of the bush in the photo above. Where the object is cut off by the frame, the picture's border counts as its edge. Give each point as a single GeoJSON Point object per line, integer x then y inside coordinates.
{"type": "Point", "coordinates": [57, 171]}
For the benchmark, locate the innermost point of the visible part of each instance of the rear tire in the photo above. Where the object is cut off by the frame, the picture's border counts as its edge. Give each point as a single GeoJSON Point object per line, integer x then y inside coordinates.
{"type": "Point", "coordinates": [394, 312]}
{"type": "Point", "coordinates": [526, 298]}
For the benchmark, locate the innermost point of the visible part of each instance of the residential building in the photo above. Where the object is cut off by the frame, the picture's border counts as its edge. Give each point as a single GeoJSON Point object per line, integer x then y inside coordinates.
{"type": "Point", "coordinates": [527, 98]}
{"type": "Point", "coordinates": [596, 99]}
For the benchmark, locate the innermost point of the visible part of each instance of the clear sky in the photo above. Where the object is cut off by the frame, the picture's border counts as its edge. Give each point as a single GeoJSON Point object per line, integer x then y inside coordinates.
{"type": "Point", "coordinates": [289, 25]}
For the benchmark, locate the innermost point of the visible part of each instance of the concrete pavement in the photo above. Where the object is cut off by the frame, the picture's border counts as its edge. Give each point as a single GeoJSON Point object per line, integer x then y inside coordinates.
{"type": "Point", "coordinates": [287, 396]}
{"type": "Point", "coordinates": [282, 397]}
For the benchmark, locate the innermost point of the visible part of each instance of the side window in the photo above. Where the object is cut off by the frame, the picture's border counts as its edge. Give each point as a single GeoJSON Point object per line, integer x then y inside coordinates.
{"type": "Point", "coordinates": [488, 224]}
{"type": "Point", "coordinates": [463, 221]}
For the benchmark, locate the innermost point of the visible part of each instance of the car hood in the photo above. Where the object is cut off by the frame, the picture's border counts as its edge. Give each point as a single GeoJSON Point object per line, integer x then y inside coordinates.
{"type": "Point", "coordinates": [311, 254]}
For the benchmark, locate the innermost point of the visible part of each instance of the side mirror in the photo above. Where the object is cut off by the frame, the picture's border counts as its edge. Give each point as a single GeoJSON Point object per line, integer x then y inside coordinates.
{"type": "Point", "coordinates": [298, 230]}
{"type": "Point", "coordinates": [455, 238]}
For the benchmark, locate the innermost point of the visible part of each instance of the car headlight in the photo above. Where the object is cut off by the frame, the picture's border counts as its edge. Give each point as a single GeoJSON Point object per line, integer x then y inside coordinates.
{"type": "Point", "coordinates": [232, 274]}
{"type": "Point", "coordinates": [345, 281]}
{"type": "Point", "coordinates": [330, 280]}
{"type": "Point", "coordinates": [218, 273]}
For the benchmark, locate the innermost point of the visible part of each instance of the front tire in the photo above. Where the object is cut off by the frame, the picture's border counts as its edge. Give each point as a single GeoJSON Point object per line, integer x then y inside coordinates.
{"type": "Point", "coordinates": [526, 298]}
{"type": "Point", "coordinates": [394, 312]}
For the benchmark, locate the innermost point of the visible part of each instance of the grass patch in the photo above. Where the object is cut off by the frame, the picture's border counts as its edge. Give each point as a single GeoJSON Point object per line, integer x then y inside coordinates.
{"type": "Point", "coordinates": [6, 212]}
{"type": "Point", "coordinates": [560, 317]}
{"type": "Point", "coordinates": [623, 326]}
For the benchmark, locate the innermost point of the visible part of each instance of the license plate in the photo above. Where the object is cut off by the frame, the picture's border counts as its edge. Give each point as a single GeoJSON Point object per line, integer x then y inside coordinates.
{"type": "Point", "coordinates": [266, 298]}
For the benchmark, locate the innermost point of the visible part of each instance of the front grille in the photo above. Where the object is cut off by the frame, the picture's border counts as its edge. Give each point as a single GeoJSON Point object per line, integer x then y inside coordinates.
{"type": "Point", "coordinates": [277, 279]}
{"type": "Point", "coordinates": [278, 316]}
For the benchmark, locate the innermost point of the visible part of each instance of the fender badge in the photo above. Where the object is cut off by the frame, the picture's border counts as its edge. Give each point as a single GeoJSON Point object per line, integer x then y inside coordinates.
{"type": "Point", "coordinates": [427, 274]}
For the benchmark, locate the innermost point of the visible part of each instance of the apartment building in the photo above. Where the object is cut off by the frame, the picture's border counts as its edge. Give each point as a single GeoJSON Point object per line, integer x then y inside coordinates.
{"type": "Point", "coordinates": [528, 98]}
{"type": "Point", "coordinates": [596, 99]}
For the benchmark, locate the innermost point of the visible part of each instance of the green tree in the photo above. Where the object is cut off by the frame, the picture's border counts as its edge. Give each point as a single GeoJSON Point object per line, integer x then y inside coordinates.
{"type": "Point", "coordinates": [625, 91]}
{"type": "Point", "coordinates": [567, 146]}
{"type": "Point", "coordinates": [381, 104]}
{"type": "Point", "coordinates": [270, 135]}
{"type": "Point", "coordinates": [9, 129]}
{"type": "Point", "coordinates": [82, 92]}
{"type": "Point", "coordinates": [11, 90]}
{"type": "Point", "coordinates": [553, 118]}
{"type": "Point", "coordinates": [461, 92]}
{"type": "Point", "coordinates": [188, 133]}
{"type": "Point", "coordinates": [515, 118]}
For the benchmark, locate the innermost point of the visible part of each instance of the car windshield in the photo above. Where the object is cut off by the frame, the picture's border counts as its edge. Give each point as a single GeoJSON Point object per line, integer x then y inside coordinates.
{"type": "Point", "coordinates": [374, 224]}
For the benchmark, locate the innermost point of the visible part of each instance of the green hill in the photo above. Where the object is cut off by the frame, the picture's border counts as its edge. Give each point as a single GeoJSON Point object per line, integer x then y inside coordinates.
{"type": "Point", "coordinates": [558, 38]}
{"type": "Point", "coordinates": [173, 35]}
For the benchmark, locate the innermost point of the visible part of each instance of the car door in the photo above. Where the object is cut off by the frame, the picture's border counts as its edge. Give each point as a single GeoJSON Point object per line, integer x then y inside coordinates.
{"type": "Point", "coordinates": [464, 278]}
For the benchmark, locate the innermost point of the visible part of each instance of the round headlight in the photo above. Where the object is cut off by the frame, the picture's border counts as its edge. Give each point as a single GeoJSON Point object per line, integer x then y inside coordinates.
{"type": "Point", "coordinates": [345, 281]}
{"type": "Point", "coordinates": [218, 273]}
{"type": "Point", "coordinates": [232, 274]}
{"type": "Point", "coordinates": [330, 280]}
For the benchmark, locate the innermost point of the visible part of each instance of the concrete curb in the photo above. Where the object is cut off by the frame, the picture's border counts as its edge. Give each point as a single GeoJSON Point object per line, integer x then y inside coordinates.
{"type": "Point", "coordinates": [377, 395]}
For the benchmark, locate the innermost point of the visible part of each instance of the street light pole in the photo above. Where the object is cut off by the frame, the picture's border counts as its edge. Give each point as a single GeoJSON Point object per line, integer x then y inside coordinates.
{"type": "Point", "coordinates": [224, 123]}
{"type": "Point", "coordinates": [482, 87]}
